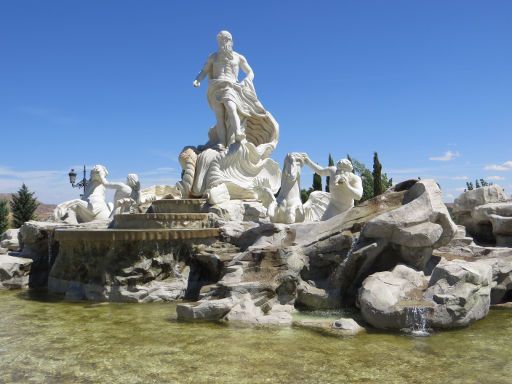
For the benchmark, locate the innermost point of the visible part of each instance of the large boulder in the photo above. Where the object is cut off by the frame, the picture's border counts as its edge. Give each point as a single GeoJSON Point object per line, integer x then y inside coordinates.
{"type": "Point", "coordinates": [461, 292]}
{"type": "Point", "coordinates": [340, 327]}
{"type": "Point", "coordinates": [457, 294]}
{"type": "Point", "coordinates": [419, 226]}
{"type": "Point", "coordinates": [205, 309]}
{"type": "Point", "coordinates": [14, 272]}
{"type": "Point", "coordinates": [247, 311]}
{"type": "Point", "coordinates": [385, 296]}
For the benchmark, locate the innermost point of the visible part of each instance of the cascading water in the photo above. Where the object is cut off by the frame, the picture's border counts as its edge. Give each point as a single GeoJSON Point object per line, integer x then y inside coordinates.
{"type": "Point", "coordinates": [50, 241]}
{"type": "Point", "coordinates": [353, 247]}
{"type": "Point", "coordinates": [416, 319]}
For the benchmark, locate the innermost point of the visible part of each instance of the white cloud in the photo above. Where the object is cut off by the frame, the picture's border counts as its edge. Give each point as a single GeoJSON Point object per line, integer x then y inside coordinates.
{"type": "Point", "coordinates": [459, 178]}
{"type": "Point", "coordinates": [506, 166]}
{"type": "Point", "coordinates": [495, 178]}
{"type": "Point", "coordinates": [460, 189]}
{"type": "Point", "coordinates": [448, 155]}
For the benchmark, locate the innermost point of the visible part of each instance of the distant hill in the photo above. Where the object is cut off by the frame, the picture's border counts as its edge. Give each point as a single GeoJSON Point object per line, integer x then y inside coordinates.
{"type": "Point", "coordinates": [43, 212]}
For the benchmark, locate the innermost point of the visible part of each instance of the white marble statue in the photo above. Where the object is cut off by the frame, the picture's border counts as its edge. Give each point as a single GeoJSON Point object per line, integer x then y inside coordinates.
{"type": "Point", "coordinates": [235, 160]}
{"type": "Point", "coordinates": [344, 186]}
{"type": "Point", "coordinates": [127, 195]}
{"type": "Point", "coordinates": [92, 206]}
{"type": "Point", "coordinates": [287, 207]}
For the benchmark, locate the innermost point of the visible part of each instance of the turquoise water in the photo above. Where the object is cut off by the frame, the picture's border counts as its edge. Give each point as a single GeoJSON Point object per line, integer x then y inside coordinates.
{"type": "Point", "coordinates": [45, 341]}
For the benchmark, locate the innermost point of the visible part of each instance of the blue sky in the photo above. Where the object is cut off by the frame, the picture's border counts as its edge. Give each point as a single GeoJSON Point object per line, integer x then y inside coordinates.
{"type": "Point", "coordinates": [427, 84]}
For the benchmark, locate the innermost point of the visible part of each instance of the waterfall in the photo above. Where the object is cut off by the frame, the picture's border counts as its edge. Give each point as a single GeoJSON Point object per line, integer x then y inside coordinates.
{"type": "Point", "coordinates": [416, 320]}
{"type": "Point", "coordinates": [353, 247]}
{"type": "Point", "coordinates": [50, 241]}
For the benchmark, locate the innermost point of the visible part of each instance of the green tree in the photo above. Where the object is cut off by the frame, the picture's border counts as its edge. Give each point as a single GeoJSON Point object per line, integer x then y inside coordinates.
{"type": "Point", "coordinates": [4, 216]}
{"type": "Point", "coordinates": [367, 179]}
{"type": "Point", "coordinates": [377, 176]}
{"type": "Point", "coordinates": [317, 182]}
{"type": "Point", "coordinates": [469, 185]}
{"type": "Point", "coordinates": [477, 184]}
{"type": "Point", "coordinates": [328, 178]}
{"type": "Point", "coordinates": [484, 183]}
{"type": "Point", "coordinates": [366, 176]}
{"type": "Point", "coordinates": [304, 194]}
{"type": "Point", "coordinates": [23, 206]}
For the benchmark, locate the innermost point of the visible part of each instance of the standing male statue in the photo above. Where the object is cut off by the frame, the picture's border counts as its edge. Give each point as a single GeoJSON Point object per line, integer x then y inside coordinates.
{"type": "Point", "coordinates": [235, 161]}
{"type": "Point", "coordinates": [226, 96]}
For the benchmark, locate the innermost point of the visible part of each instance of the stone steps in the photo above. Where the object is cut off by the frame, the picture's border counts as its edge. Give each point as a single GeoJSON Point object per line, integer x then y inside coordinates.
{"type": "Point", "coordinates": [179, 206]}
{"type": "Point", "coordinates": [161, 221]}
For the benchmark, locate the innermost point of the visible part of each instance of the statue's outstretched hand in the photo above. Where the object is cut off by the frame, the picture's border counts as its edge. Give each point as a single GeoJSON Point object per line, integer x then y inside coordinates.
{"type": "Point", "coordinates": [196, 84]}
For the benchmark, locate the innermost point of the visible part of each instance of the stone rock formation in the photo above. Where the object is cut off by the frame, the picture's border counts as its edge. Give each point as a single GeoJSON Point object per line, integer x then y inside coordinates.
{"type": "Point", "coordinates": [339, 328]}
{"type": "Point", "coordinates": [9, 240]}
{"type": "Point", "coordinates": [14, 272]}
{"type": "Point", "coordinates": [486, 213]}
{"type": "Point", "coordinates": [385, 297]}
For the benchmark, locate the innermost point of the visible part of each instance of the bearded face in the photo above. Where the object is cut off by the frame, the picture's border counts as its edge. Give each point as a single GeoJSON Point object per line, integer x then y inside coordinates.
{"type": "Point", "coordinates": [225, 46]}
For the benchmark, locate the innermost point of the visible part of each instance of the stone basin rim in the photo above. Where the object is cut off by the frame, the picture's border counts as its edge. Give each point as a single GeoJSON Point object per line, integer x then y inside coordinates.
{"type": "Point", "coordinates": [161, 215]}
{"type": "Point", "coordinates": [113, 234]}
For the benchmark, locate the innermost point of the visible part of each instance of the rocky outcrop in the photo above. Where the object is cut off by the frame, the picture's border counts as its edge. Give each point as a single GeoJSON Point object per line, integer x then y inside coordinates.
{"type": "Point", "coordinates": [408, 234]}
{"type": "Point", "coordinates": [385, 297]}
{"type": "Point", "coordinates": [14, 272]}
{"type": "Point", "coordinates": [9, 240]}
{"type": "Point", "coordinates": [486, 213]}
{"type": "Point", "coordinates": [458, 293]}
{"type": "Point", "coordinates": [310, 265]}
{"type": "Point", "coordinates": [461, 293]}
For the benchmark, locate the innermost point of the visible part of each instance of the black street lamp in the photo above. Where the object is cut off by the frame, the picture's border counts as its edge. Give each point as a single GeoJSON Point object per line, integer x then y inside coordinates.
{"type": "Point", "coordinates": [72, 179]}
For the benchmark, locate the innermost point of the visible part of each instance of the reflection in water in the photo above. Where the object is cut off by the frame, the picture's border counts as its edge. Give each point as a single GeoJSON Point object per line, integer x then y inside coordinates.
{"type": "Point", "coordinates": [48, 340]}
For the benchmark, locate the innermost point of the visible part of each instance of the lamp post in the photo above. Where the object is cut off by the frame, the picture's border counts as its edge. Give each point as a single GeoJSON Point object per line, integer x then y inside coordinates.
{"type": "Point", "coordinates": [72, 179]}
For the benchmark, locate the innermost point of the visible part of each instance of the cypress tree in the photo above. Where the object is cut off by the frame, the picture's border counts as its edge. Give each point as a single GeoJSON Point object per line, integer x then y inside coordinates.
{"type": "Point", "coordinates": [328, 178]}
{"type": "Point", "coordinates": [317, 182]}
{"type": "Point", "coordinates": [350, 159]}
{"type": "Point", "coordinates": [23, 206]}
{"type": "Point", "coordinates": [377, 176]}
{"type": "Point", "coordinates": [4, 216]}
{"type": "Point", "coordinates": [477, 184]}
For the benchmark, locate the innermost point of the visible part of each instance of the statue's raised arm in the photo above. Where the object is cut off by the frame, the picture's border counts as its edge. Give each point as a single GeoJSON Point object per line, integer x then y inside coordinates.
{"type": "Point", "coordinates": [327, 171]}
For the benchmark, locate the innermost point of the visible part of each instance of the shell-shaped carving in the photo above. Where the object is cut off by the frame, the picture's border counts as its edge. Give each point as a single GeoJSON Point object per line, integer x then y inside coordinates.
{"type": "Point", "coordinates": [187, 159]}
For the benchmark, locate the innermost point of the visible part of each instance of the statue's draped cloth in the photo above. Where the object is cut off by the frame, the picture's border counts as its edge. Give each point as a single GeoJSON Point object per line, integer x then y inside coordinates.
{"type": "Point", "coordinates": [245, 166]}
{"type": "Point", "coordinates": [259, 125]}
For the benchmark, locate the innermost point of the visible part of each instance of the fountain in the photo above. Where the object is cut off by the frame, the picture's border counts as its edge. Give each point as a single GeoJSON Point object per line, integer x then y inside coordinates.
{"type": "Point", "coordinates": [135, 254]}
